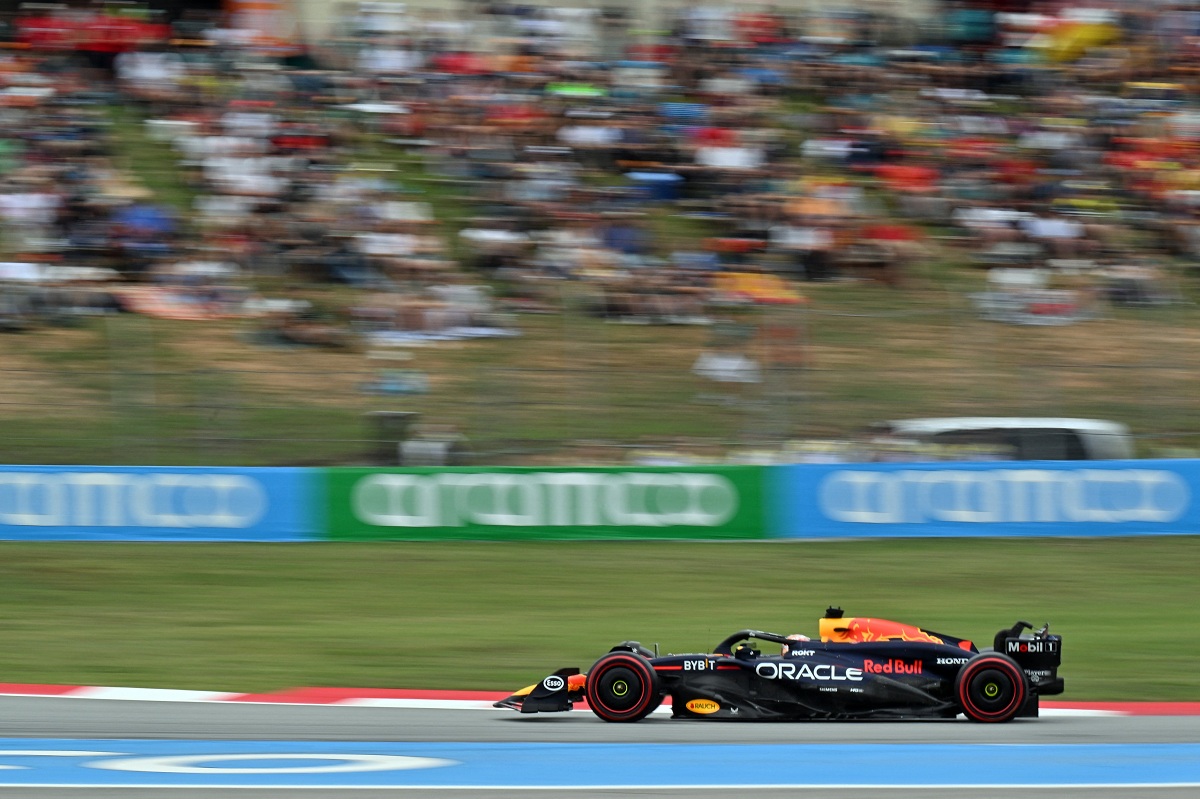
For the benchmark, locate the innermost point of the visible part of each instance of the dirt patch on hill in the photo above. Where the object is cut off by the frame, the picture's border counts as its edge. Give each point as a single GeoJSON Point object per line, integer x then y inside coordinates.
{"type": "Point", "coordinates": [29, 389]}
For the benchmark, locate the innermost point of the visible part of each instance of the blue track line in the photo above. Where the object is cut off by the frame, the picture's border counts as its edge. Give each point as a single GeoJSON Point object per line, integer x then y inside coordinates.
{"type": "Point", "coordinates": [342, 764]}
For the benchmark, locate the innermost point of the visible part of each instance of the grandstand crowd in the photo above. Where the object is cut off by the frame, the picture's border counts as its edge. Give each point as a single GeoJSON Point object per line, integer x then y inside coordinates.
{"type": "Point", "coordinates": [728, 158]}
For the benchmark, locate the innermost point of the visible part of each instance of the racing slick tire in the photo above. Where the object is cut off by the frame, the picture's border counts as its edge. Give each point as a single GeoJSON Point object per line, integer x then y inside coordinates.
{"type": "Point", "coordinates": [622, 686]}
{"type": "Point", "coordinates": [991, 688]}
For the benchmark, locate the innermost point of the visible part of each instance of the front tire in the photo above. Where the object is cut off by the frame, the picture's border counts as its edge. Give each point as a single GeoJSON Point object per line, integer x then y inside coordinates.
{"type": "Point", "coordinates": [991, 688]}
{"type": "Point", "coordinates": [622, 687]}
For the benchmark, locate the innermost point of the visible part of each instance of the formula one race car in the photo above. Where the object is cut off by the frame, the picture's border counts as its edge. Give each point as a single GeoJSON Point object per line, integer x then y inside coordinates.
{"type": "Point", "coordinates": [860, 668]}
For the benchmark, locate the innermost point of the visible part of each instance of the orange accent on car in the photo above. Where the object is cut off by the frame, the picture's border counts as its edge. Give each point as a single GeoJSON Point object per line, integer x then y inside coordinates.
{"type": "Point", "coordinates": [862, 630]}
{"type": "Point", "coordinates": [703, 706]}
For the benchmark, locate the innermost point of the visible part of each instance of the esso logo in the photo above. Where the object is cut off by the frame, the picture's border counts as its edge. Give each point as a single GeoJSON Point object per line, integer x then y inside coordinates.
{"type": "Point", "coordinates": [553, 683]}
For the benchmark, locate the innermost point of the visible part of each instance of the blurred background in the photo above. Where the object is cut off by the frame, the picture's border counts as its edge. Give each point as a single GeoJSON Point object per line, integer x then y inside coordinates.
{"type": "Point", "coordinates": [273, 232]}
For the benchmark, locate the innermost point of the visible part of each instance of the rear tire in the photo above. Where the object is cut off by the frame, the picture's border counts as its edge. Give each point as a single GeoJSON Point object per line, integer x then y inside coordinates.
{"type": "Point", "coordinates": [991, 688]}
{"type": "Point", "coordinates": [622, 687]}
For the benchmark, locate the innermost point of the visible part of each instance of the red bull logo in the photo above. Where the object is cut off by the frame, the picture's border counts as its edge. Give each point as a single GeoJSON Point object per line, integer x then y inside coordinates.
{"type": "Point", "coordinates": [864, 630]}
{"type": "Point", "coordinates": [893, 666]}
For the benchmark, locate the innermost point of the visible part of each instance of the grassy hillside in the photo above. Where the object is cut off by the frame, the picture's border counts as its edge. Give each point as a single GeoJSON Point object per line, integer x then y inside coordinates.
{"type": "Point", "coordinates": [571, 388]}
{"type": "Point", "coordinates": [140, 391]}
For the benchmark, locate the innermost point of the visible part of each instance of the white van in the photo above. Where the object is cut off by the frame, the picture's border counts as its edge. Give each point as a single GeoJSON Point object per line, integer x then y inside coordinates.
{"type": "Point", "coordinates": [1023, 438]}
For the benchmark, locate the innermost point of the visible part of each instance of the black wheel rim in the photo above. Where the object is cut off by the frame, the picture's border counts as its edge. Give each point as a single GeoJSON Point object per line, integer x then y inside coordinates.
{"type": "Point", "coordinates": [992, 690]}
{"type": "Point", "coordinates": [620, 689]}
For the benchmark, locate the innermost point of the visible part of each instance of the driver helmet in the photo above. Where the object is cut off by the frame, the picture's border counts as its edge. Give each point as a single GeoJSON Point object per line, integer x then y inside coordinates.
{"type": "Point", "coordinates": [785, 648]}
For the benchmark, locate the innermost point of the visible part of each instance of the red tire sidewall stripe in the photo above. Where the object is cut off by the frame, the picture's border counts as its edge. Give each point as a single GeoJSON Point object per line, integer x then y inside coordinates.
{"type": "Point", "coordinates": [635, 664]}
{"type": "Point", "coordinates": [1018, 678]}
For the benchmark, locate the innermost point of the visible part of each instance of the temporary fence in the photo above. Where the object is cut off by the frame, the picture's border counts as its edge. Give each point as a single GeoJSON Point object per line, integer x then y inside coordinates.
{"type": "Point", "coordinates": [158, 504]}
{"type": "Point", "coordinates": [509, 504]}
{"type": "Point", "coordinates": [577, 390]}
{"type": "Point", "coordinates": [1036, 498]}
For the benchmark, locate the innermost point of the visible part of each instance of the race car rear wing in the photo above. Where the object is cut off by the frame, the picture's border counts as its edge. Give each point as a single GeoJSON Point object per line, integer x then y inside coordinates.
{"type": "Point", "coordinates": [1039, 655]}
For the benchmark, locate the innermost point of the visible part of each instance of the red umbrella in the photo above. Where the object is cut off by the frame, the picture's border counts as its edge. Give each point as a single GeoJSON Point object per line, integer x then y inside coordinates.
{"type": "Point", "coordinates": [460, 64]}
{"type": "Point", "coordinates": [891, 232]}
{"type": "Point", "coordinates": [902, 177]}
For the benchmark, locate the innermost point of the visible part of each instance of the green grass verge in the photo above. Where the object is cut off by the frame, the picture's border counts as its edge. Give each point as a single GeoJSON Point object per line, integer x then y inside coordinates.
{"type": "Point", "coordinates": [252, 617]}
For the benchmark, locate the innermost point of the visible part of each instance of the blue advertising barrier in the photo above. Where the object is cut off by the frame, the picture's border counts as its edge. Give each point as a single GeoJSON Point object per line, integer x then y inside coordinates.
{"type": "Point", "coordinates": [101, 503]}
{"type": "Point", "coordinates": [1027, 498]}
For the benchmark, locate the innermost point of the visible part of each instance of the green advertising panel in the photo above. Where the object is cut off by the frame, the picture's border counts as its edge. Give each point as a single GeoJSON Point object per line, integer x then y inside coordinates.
{"type": "Point", "coordinates": [515, 503]}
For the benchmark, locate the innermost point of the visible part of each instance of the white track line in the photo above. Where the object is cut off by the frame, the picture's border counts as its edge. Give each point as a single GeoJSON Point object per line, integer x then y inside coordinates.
{"type": "Point", "coordinates": [150, 694]}
{"type": "Point", "coordinates": [173, 695]}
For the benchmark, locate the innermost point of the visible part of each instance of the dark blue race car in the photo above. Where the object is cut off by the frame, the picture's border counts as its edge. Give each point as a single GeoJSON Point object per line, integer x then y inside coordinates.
{"type": "Point", "coordinates": [860, 668]}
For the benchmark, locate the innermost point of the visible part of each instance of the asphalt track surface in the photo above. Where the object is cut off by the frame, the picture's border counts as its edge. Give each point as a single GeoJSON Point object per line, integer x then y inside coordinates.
{"type": "Point", "coordinates": [42, 717]}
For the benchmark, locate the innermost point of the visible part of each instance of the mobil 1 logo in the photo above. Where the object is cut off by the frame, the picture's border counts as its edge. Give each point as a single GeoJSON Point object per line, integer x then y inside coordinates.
{"type": "Point", "coordinates": [1034, 646]}
{"type": "Point", "coordinates": [1035, 653]}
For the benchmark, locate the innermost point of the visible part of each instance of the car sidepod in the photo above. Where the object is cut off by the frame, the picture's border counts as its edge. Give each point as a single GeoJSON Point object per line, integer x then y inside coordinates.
{"type": "Point", "coordinates": [819, 681]}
